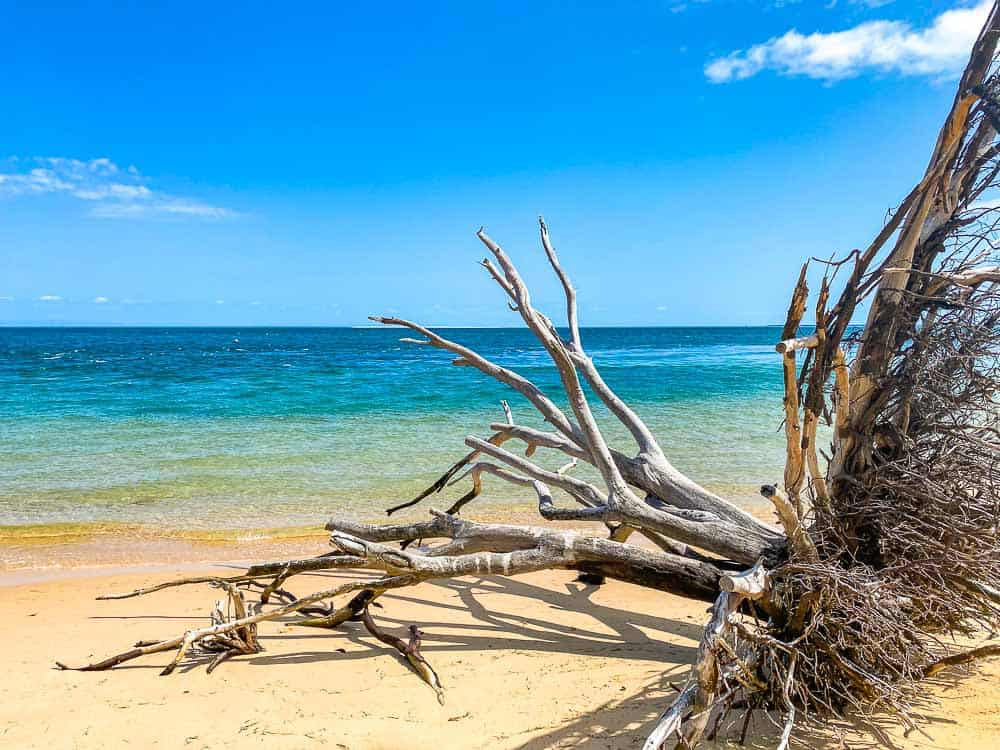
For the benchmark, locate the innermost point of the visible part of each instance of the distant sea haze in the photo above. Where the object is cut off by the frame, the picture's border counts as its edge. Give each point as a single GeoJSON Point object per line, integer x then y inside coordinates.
{"type": "Point", "coordinates": [221, 428]}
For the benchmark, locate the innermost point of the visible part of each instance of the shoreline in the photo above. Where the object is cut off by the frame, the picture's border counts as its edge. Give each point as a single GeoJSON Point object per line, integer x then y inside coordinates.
{"type": "Point", "coordinates": [132, 548]}
{"type": "Point", "coordinates": [47, 549]}
{"type": "Point", "coordinates": [75, 551]}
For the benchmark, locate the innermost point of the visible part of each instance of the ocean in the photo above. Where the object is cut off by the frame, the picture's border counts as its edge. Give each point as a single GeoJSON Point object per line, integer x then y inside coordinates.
{"type": "Point", "coordinates": [242, 428]}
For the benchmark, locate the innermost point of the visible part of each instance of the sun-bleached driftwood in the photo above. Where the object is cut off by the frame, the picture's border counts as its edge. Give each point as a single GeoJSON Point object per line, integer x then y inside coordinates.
{"type": "Point", "coordinates": [887, 540]}
{"type": "Point", "coordinates": [791, 522]}
{"type": "Point", "coordinates": [793, 345]}
{"type": "Point", "coordinates": [409, 649]}
{"type": "Point", "coordinates": [684, 722]}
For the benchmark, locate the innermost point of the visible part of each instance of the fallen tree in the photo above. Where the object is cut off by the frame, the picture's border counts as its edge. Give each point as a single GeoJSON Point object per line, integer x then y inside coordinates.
{"type": "Point", "coordinates": [888, 544]}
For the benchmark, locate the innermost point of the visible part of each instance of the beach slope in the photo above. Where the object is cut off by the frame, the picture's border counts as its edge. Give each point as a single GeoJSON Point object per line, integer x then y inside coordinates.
{"type": "Point", "coordinates": [529, 663]}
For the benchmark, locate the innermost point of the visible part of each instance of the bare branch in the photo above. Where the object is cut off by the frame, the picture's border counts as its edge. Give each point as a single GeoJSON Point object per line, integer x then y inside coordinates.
{"type": "Point", "coordinates": [541, 327]}
{"type": "Point", "coordinates": [798, 537]}
{"type": "Point", "coordinates": [583, 491]}
{"type": "Point", "coordinates": [792, 345]}
{"type": "Point", "coordinates": [522, 385]}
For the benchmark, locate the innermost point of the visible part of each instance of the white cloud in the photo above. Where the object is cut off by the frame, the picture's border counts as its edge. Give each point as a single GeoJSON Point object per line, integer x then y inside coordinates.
{"type": "Point", "coordinates": [114, 192]}
{"type": "Point", "coordinates": [50, 298]}
{"type": "Point", "coordinates": [220, 302]}
{"type": "Point", "coordinates": [883, 46]}
{"type": "Point", "coordinates": [100, 300]}
{"type": "Point", "coordinates": [162, 206]}
{"type": "Point", "coordinates": [6, 299]}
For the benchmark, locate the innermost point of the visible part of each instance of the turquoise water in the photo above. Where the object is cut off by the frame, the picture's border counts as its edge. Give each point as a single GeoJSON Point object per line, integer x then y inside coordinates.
{"type": "Point", "coordinates": [232, 428]}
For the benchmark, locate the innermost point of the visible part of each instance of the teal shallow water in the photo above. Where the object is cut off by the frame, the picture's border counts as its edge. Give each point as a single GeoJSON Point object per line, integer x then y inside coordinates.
{"type": "Point", "coordinates": [232, 428]}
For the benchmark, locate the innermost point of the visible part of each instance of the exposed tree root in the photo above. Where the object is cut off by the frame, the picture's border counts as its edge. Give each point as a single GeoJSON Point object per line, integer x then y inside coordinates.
{"type": "Point", "coordinates": [964, 657]}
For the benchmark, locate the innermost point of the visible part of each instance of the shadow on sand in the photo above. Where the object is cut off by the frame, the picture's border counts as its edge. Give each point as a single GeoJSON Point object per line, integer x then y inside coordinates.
{"type": "Point", "coordinates": [458, 620]}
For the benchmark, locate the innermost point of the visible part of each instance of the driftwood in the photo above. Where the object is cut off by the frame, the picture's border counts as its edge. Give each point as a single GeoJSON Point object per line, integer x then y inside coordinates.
{"type": "Point", "coordinates": [887, 544]}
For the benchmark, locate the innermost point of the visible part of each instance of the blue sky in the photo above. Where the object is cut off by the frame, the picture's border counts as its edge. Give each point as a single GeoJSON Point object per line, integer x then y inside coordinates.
{"type": "Point", "coordinates": [255, 165]}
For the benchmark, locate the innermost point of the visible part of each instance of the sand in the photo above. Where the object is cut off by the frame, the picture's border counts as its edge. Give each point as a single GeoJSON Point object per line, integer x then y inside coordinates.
{"type": "Point", "coordinates": [538, 661]}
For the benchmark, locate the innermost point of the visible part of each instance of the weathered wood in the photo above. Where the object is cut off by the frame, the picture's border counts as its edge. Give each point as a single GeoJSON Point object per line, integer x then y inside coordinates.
{"type": "Point", "coordinates": [794, 345]}
{"type": "Point", "coordinates": [841, 402]}
{"type": "Point", "coordinates": [964, 657]}
{"type": "Point", "coordinates": [687, 716]}
{"type": "Point", "coordinates": [472, 551]}
{"type": "Point", "coordinates": [750, 584]}
{"type": "Point", "coordinates": [794, 467]}
{"type": "Point", "coordinates": [410, 650]}
{"type": "Point", "coordinates": [814, 402]}
{"type": "Point", "coordinates": [183, 642]}
{"type": "Point", "coordinates": [798, 537]}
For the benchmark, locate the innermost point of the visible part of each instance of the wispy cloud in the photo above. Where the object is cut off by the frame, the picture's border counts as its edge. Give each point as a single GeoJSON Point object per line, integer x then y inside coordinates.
{"type": "Point", "coordinates": [113, 192]}
{"type": "Point", "coordinates": [100, 300]}
{"type": "Point", "coordinates": [50, 298]}
{"type": "Point", "coordinates": [940, 49]}
{"type": "Point", "coordinates": [163, 206]}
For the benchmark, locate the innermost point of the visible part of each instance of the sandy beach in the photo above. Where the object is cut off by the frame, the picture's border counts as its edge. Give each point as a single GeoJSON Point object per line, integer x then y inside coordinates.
{"type": "Point", "coordinates": [528, 663]}
{"type": "Point", "coordinates": [337, 310]}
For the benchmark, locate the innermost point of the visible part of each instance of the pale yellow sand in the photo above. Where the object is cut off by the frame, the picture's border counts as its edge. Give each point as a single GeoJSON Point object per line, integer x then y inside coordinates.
{"type": "Point", "coordinates": [529, 663]}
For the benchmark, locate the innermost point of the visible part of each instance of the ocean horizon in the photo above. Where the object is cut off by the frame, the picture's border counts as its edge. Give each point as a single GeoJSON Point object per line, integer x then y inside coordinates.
{"type": "Point", "coordinates": [209, 428]}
